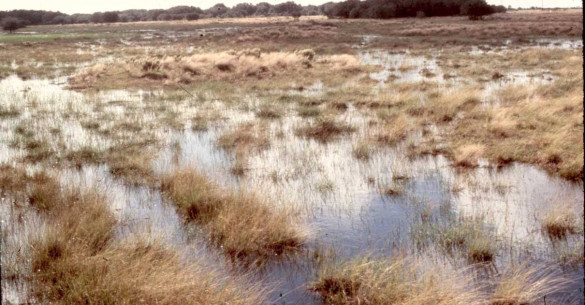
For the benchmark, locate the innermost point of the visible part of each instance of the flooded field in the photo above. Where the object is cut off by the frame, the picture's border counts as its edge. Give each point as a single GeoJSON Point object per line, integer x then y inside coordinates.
{"type": "Point", "coordinates": [293, 178]}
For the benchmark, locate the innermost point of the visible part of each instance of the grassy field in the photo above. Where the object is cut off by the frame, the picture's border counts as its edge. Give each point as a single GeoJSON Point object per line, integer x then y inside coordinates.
{"type": "Point", "coordinates": [273, 161]}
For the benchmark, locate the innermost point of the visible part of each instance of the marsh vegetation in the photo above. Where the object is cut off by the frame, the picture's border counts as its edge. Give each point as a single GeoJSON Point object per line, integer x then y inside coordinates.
{"type": "Point", "coordinates": [274, 161]}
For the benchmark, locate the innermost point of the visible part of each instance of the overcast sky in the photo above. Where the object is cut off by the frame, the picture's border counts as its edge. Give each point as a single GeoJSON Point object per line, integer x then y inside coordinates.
{"type": "Point", "coordinates": [80, 6]}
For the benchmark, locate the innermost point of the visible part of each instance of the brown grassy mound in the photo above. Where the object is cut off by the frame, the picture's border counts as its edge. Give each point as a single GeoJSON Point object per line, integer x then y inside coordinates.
{"type": "Point", "coordinates": [222, 65]}
{"type": "Point", "coordinates": [78, 261]}
{"type": "Point", "coordinates": [393, 281]}
{"type": "Point", "coordinates": [240, 222]}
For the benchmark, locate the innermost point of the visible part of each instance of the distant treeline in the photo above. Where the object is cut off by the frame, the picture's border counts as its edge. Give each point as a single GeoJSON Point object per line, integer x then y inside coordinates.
{"type": "Point", "coordinates": [385, 9]}
{"type": "Point", "coordinates": [346, 9]}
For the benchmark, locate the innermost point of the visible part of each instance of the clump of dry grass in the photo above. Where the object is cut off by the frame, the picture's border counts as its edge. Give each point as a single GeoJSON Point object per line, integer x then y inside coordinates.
{"type": "Point", "coordinates": [131, 163]}
{"type": "Point", "coordinates": [559, 221]}
{"type": "Point", "coordinates": [393, 131]}
{"type": "Point", "coordinates": [245, 136]}
{"type": "Point", "coordinates": [448, 106]}
{"type": "Point", "coordinates": [76, 261]}
{"type": "Point", "coordinates": [324, 129]}
{"type": "Point", "coordinates": [521, 284]}
{"type": "Point", "coordinates": [541, 125]}
{"type": "Point", "coordinates": [240, 222]}
{"type": "Point", "coordinates": [398, 280]}
{"type": "Point", "coordinates": [136, 270]}
{"type": "Point", "coordinates": [468, 155]}
{"type": "Point", "coordinates": [45, 192]}
{"type": "Point", "coordinates": [220, 65]}
{"type": "Point", "coordinates": [13, 179]}
{"type": "Point", "coordinates": [362, 150]}
{"type": "Point", "coordinates": [465, 235]}
{"type": "Point", "coordinates": [396, 189]}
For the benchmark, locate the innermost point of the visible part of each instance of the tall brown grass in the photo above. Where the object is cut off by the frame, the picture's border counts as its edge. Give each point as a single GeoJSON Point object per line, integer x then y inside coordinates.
{"type": "Point", "coordinates": [79, 261]}
{"type": "Point", "coordinates": [399, 280]}
{"type": "Point", "coordinates": [521, 284]}
{"type": "Point", "coordinates": [560, 221]}
{"type": "Point", "coordinates": [240, 222]}
{"type": "Point", "coordinates": [219, 65]}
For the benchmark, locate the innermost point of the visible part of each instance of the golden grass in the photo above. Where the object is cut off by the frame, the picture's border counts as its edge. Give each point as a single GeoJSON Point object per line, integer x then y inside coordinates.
{"type": "Point", "coordinates": [151, 273]}
{"type": "Point", "coordinates": [238, 221]}
{"type": "Point", "coordinates": [536, 124]}
{"type": "Point", "coordinates": [393, 131]}
{"type": "Point", "coordinates": [559, 221]}
{"type": "Point", "coordinates": [446, 107]}
{"type": "Point", "coordinates": [398, 280]}
{"type": "Point", "coordinates": [468, 155]}
{"type": "Point", "coordinates": [226, 66]}
{"type": "Point", "coordinates": [77, 261]}
{"type": "Point", "coordinates": [521, 284]}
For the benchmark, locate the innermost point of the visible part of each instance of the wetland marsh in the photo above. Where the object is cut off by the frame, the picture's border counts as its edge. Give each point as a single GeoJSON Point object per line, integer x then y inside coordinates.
{"type": "Point", "coordinates": [274, 161]}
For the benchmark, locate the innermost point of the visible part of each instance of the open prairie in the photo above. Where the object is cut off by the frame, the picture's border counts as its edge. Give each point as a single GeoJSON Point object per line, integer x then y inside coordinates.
{"type": "Point", "coordinates": [279, 161]}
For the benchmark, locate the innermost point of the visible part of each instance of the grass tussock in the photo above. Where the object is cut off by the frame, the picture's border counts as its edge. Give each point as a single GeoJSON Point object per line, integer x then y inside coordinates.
{"type": "Point", "coordinates": [231, 64]}
{"type": "Point", "coordinates": [324, 130]}
{"type": "Point", "coordinates": [132, 164]}
{"type": "Point", "coordinates": [468, 155]}
{"type": "Point", "coordinates": [448, 106]}
{"type": "Point", "coordinates": [393, 281]}
{"type": "Point", "coordinates": [133, 271]}
{"type": "Point", "coordinates": [77, 261]}
{"type": "Point", "coordinates": [246, 136]}
{"type": "Point", "coordinates": [44, 192]}
{"type": "Point", "coordinates": [241, 223]}
{"type": "Point", "coordinates": [13, 179]}
{"type": "Point", "coordinates": [560, 221]}
{"type": "Point", "coordinates": [393, 131]}
{"type": "Point", "coordinates": [526, 285]}
{"type": "Point", "coordinates": [466, 237]}
{"type": "Point", "coordinates": [540, 125]}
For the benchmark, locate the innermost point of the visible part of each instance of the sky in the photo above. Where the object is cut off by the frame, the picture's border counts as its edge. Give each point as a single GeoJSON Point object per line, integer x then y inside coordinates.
{"type": "Point", "coordinates": [77, 6]}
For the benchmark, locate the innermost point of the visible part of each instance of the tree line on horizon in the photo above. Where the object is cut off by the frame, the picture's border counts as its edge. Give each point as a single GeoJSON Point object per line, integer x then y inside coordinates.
{"type": "Point", "coordinates": [381, 9]}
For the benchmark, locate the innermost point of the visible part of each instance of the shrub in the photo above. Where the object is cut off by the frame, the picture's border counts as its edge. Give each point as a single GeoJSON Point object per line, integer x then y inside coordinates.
{"type": "Point", "coordinates": [476, 9]}
{"type": "Point", "coordinates": [11, 24]}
